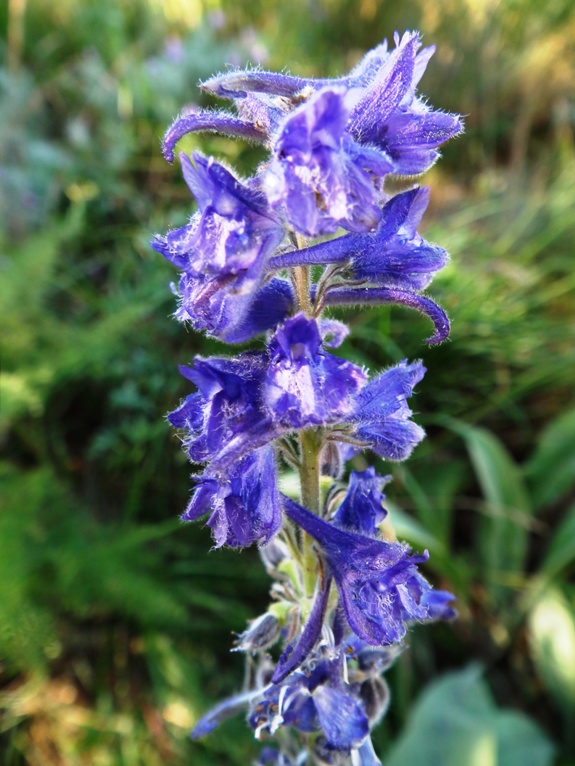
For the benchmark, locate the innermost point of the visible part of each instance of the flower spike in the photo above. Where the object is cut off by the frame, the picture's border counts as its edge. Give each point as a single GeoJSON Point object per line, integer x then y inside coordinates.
{"type": "Point", "coordinates": [314, 227]}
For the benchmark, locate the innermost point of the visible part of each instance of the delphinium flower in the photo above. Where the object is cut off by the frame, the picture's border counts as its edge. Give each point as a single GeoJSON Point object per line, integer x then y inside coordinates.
{"type": "Point", "coordinates": [343, 595]}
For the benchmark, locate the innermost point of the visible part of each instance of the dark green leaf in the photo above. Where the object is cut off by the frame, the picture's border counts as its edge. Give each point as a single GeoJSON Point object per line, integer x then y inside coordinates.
{"type": "Point", "coordinates": [551, 470]}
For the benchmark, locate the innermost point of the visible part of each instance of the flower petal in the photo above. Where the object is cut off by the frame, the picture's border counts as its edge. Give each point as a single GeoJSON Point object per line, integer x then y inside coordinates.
{"type": "Point", "coordinates": [214, 122]}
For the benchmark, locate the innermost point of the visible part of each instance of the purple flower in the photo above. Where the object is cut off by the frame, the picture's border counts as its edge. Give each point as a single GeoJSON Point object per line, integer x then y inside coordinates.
{"type": "Point", "coordinates": [387, 113]}
{"type": "Point", "coordinates": [390, 116]}
{"type": "Point", "coordinates": [379, 586]}
{"type": "Point", "coordinates": [381, 415]}
{"type": "Point", "coordinates": [223, 420]}
{"type": "Point", "coordinates": [231, 308]}
{"type": "Point", "coordinates": [394, 255]}
{"type": "Point", "coordinates": [316, 700]}
{"type": "Point", "coordinates": [223, 249]}
{"type": "Point", "coordinates": [243, 503]}
{"type": "Point", "coordinates": [233, 230]}
{"type": "Point", "coordinates": [322, 177]}
{"type": "Point", "coordinates": [362, 509]}
{"type": "Point", "coordinates": [305, 385]}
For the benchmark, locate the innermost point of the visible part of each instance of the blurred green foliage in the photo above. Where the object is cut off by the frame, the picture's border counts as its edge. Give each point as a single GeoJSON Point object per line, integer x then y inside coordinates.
{"type": "Point", "coordinates": [114, 619]}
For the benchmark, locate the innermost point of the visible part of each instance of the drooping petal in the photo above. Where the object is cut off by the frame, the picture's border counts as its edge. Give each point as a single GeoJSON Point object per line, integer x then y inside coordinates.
{"type": "Point", "coordinates": [383, 295]}
{"type": "Point", "coordinates": [362, 509]}
{"type": "Point", "coordinates": [214, 122]}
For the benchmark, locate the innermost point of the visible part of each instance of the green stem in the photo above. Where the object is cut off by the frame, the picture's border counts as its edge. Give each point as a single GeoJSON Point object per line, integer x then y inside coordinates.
{"type": "Point", "coordinates": [302, 279]}
{"type": "Point", "coordinates": [310, 497]}
{"type": "Point", "coordinates": [301, 282]}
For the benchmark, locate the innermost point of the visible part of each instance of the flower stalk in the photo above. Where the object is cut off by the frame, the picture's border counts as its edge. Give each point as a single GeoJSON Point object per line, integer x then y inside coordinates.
{"type": "Point", "coordinates": [343, 597]}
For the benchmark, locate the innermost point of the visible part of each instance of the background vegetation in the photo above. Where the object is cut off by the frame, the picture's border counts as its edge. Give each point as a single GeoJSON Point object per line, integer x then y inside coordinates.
{"type": "Point", "coordinates": [114, 618]}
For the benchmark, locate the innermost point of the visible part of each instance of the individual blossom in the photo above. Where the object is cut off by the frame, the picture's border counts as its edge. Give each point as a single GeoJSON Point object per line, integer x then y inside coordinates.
{"type": "Point", "coordinates": [304, 384]}
{"type": "Point", "coordinates": [233, 229]}
{"type": "Point", "coordinates": [222, 250]}
{"type": "Point", "coordinates": [320, 175]}
{"type": "Point", "coordinates": [315, 699]}
{"type": "Point", "coordinates": [244, 503]}
{"type": "Point", "coordinates": [380, 588]}
{"type": "Point", "coordinates": [390, 116]}
{"type": "Point", "coordinates": [394, 254]}
{"type": "Point", "coordinates": [224, 417]}
{"type": "Point", "coordinates": [362, 508]}
{"type": "Point", "coordinates": [381, 416]}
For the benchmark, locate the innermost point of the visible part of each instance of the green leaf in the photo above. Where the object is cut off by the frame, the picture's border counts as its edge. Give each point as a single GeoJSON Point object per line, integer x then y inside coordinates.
{"type": "Point", "coordinates": [432, 490]}
{"type": "Point", "coordinates": [550, 471]}
{"type": "Point", "coordinates": [519, 741]}
{"type": "Point", "coordinates": [551, 627]}
{"type": "Point", "coordinates": [561, 550]}
{"type": "Point", "coordinates": [455, 723]}
{"type": "Point", "coordinates": [408, 528]}
{"type": "Point", "coordinates": [506, 517]}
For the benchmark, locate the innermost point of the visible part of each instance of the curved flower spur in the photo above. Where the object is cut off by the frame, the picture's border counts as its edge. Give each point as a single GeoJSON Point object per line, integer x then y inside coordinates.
{"type": "Point", "coordinates": [254, 259]}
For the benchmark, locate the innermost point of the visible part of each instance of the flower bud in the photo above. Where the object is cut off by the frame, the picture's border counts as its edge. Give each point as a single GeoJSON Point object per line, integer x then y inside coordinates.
{"type": "Point", "coordinates": [375, 696]}
{"type": "Point", "coordinates": [261, 634]}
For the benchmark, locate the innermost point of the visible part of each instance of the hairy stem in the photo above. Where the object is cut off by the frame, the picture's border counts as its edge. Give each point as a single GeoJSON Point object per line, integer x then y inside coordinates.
{"type": "Point", "coordinates": [302, 280]}
{"type": "Point", "coordinates": [310, 497]}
